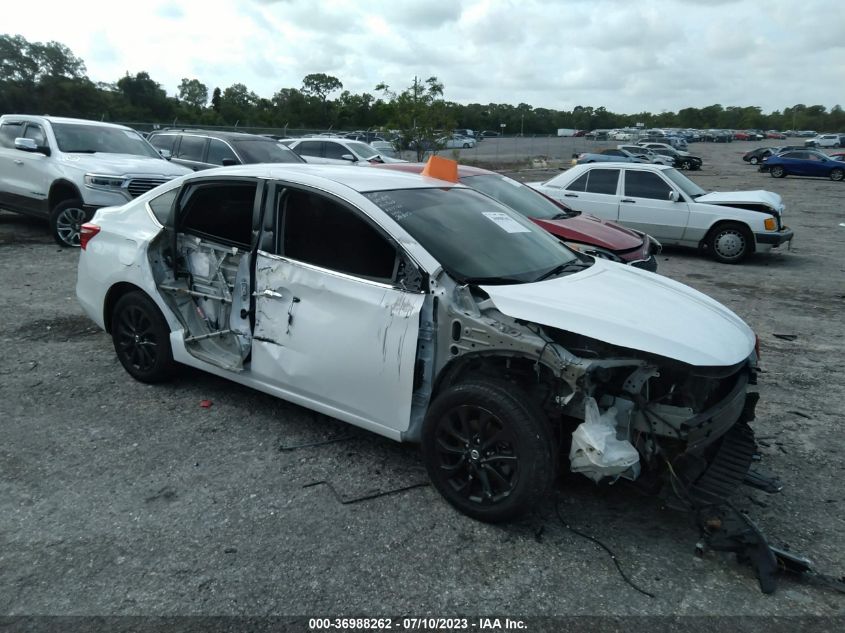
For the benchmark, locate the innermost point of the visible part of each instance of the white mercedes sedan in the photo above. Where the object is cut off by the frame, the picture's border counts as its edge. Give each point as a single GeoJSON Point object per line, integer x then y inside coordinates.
{"type": "Point", "coordinates": [662, 202]}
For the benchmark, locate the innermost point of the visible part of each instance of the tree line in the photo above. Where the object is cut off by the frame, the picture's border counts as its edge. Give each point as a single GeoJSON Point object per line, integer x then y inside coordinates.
{"type": "Point", "coordinates": [47, 78]}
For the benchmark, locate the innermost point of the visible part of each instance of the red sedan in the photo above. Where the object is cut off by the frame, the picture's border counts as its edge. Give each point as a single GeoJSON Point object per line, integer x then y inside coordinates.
{"type": "Point", "coordinates": [580, 231]}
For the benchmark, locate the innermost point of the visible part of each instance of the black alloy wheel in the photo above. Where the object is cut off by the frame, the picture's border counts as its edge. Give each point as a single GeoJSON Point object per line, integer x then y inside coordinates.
{"type": "Point", "coordinates": [141, 338]}
{"type": "Point", "coordinates": [487, 450]}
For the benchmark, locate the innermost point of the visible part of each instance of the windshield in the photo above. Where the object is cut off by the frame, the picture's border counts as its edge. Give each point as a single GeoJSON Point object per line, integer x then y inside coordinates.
{"type": "Point", "coordinates": [265, 151]}
{"type": "Point", "coordinates": [362, 149]}
{"type": "Point", "coordinates": [475, 239]}
{"type": "Point", "coordinates": [684, 184]}
{"type": "Point", "coordinates": [90, 139]}
{"type": "Point", "coordinates": [515, 195]}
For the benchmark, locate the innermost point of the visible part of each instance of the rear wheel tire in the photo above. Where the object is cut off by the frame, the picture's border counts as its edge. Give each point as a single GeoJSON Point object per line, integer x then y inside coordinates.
{"type": "Point", "coordinates": [837, 174]}
{"type": "Point", "coordinates": [66, 220]}
{"type": "Point", "coordinates": [488, 450]}
{"type": "Point", "coordinates": [141, 338]}
{"type": "Point", "coordinates": [777, 172]}
{"type": "Point", "coordinates": [730, 243]}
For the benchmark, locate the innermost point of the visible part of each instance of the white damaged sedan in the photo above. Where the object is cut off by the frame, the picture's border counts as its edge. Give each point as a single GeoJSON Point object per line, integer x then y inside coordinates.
{"type": "Point", "coordinates": [424, 311]}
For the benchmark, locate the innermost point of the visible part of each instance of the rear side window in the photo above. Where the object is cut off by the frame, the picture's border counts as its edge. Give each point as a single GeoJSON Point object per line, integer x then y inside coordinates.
{"type": "Point", "coordinates": [603, 181]}
{"type": "Point", "coordinates": [644, 184]}
{"type": "Point", "coordinates": [221, 211]}
{"type": "Point", "coordinates": [321, 232]}
{"type": "Point", "coordinates": [192, 148]}
{"type": "Point", "coordinates": [162, 204]}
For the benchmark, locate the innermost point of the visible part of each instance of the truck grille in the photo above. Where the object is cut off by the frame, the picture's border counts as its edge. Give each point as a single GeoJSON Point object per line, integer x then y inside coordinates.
{"type": "Point", "coordinates": [137, 186]}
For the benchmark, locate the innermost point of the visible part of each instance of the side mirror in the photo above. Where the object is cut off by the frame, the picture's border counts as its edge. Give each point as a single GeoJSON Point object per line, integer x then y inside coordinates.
{"type": "Point", "coordinates": [349, 157]}
{"type": "Point", "coordinates": [166, 154]}
{"type": "Point", "coordinates": [228, 162]}
{"type": "Point", "coordinates": [29, 145]}
{"type": "Point", "coordinates": [673, 195]}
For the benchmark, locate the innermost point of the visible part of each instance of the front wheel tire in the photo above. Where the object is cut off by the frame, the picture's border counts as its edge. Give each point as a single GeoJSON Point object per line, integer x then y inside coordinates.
{"type": "Point", "coordinates": [141, 338]}
{"type": "Point", "coordinates": [777, 172]}
{"type": "Point", "coordinates": [754, 160]}
{"type": "Point", "coordinates": [66, 221]}
{"type": "Point", "coordinates": [488, 450]}
{"type": "Point", "coordinates": [730, 243]}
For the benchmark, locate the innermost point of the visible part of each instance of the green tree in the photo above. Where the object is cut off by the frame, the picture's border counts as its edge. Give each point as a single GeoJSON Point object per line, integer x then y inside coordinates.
{"type": "Point", "coordinates": [193, 93]}
{"type": "Point", "coordinates": [419, 112]}
{"type": "Point", "coordinates": [319, 86]}
{"type": "Point", "coordinates": [144, 98]}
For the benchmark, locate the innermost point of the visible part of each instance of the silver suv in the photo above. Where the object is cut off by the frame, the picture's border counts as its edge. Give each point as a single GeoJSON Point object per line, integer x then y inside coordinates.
{"type": "Point", "coordinates": [65, 169]}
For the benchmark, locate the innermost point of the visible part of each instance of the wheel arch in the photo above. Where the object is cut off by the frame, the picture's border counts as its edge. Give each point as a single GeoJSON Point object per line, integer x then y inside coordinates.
{"type": "Point", "coordinates": [113, 295]}
{"type": "Point", "coordinates": [529, 372]}
{"type": "Point", "coordinates": [723, 222]}
{"type": "Point", "coordinates": [62, 190]}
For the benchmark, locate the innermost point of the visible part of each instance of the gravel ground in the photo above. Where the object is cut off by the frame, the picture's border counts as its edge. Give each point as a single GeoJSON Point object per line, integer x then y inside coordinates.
{"type": "Point", "coordinates": [121, 498]}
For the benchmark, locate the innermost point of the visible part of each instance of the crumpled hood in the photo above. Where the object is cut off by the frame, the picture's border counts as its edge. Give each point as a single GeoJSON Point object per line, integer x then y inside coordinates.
{"type": "Point", "coordinates": [632, 308]}
{"type": "Point", "coordinates": [592, 230]}
{"type": "Point", "coordinates": [759, 196]}
{"type": "Point", "coordinates": [124, 164]}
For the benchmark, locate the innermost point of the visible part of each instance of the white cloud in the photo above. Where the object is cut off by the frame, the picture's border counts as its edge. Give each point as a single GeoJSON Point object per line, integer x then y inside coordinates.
{"type": "Point", "coordinates": [626, 56]}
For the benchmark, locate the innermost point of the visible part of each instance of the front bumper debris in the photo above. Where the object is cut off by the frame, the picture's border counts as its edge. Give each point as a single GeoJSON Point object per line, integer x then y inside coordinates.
{"type": "Point", "coordinates": [705, 494]}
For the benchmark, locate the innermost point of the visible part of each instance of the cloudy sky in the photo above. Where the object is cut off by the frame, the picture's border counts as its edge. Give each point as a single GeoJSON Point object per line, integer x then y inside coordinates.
{"type": "Point", "coordinates": [627, 55]}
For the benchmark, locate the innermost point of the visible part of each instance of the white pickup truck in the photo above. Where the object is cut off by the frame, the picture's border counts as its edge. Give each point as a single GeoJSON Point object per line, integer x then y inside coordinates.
{"type": "Point", "coordinates": [65, 169]}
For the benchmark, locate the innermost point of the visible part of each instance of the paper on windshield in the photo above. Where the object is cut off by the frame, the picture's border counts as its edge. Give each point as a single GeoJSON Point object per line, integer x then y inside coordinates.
{"type": "Point", "coordinates": [506, 222]}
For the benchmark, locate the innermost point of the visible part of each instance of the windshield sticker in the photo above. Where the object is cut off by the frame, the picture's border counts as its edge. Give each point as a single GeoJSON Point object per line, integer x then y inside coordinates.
{"type": "Point", "coordinates": [506, 222]}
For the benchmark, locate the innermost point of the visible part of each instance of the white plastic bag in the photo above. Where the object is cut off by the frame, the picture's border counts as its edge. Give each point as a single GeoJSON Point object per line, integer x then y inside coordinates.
{"type": "Point", "coordinates": [595, 452]}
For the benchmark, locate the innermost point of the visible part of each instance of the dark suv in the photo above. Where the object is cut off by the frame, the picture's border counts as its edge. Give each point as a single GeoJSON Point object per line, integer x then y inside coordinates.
{"type": "Point", "coordinates": [204, 149]}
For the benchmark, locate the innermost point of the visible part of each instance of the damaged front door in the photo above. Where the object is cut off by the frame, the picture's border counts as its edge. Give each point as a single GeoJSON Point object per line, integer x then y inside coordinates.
{"type": "Point", "coordinates": [331, 324]}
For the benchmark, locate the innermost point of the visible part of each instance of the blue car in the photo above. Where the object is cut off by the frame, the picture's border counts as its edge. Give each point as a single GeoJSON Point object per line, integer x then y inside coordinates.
{"type": "Point", "coordinates": [803, 163]}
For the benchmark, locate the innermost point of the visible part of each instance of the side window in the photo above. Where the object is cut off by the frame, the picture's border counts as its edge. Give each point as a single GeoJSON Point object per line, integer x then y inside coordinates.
{"type": "Point", "coordinates": [644, 184]}
{"type": "Point", "coordinates": [580, 183]}
{"type": "Point", "coordinates": [162, 204]}
{"type": "Point", "coordinates": [192, 148]}
{"type": "Point", "coordinates": [335, 150]}
{"type": "Point", "coordinates": [310, 148]}
{"type": "Point", "coordinates": [163, 141]}
{"type": "Point", "coordinates": [218, 150]}
{"type": "Point", "coordinates": [35, 132]}
{"type": "Point", "coordinates": [9, 132]}
{"type": "Point", "coordinates": [792, 155]}
{"type": "Point", "coordinates": [221, 211]}
{"type": "Point", "coordinates": [613, 152]}
{"type": "Point", "coordinates": [603, 181]}
{"type": "Point", "coordinates": [324, 233]}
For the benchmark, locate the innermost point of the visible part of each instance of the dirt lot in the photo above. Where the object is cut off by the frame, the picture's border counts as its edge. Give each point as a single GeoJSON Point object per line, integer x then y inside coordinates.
{"type": "Point", "coordinates": [123, 498]}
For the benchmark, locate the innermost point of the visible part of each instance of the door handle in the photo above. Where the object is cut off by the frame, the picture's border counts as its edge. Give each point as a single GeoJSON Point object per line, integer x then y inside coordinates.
{"type": "Point", "coordinates": [269, 294]}
{"type": "Point", "coordinates": [629, 200]}
{"type": "Point", "coordinates": [18, 161]}
{"type": "Point", "coordinates": [570, 195]}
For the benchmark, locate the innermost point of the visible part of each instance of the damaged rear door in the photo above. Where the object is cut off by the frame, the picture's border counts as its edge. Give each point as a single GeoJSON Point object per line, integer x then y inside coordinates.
{"type": "Point", "coordinates": [332, 323]}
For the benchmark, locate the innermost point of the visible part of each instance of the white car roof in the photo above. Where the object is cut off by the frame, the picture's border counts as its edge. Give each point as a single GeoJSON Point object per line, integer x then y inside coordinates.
{"type": "Point", "coordinates": [58, 119]}
{"type": "Point", "coordinates": [323, 176]}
